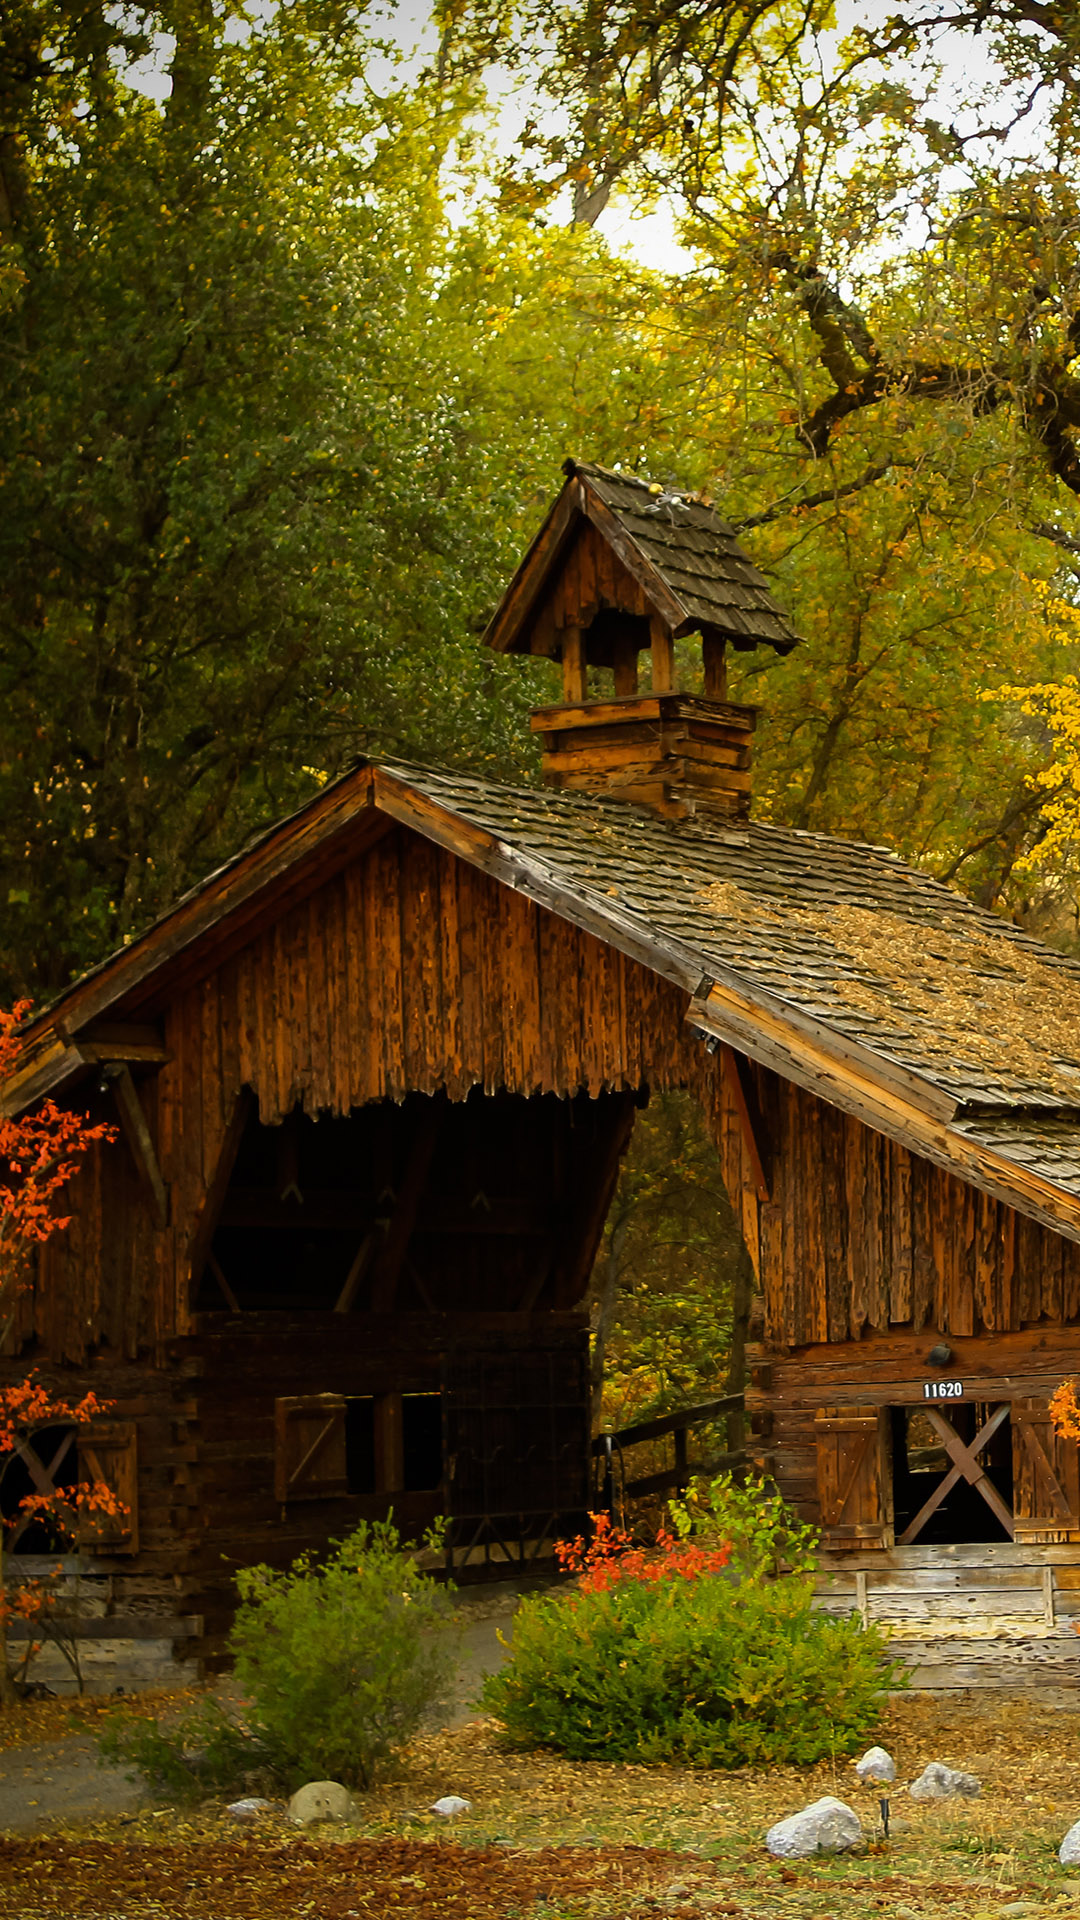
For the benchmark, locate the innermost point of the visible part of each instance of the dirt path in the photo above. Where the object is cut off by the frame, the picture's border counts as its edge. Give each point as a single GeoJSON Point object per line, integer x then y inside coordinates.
{"type": "Point", "coordinates": [58, 1781]}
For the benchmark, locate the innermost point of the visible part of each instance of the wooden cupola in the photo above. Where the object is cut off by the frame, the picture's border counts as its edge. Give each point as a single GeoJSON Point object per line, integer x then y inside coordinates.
{"type": "Point", "coordinates": [622, 569]}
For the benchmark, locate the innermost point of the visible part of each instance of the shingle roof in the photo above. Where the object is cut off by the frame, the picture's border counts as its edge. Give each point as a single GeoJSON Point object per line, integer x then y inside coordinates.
{"type": "Point", "coordinates": [913, 976]}
{"type": "Point", "coordinates": [697, 555]}
{"type": "Point", "coordinates": [787, 940]}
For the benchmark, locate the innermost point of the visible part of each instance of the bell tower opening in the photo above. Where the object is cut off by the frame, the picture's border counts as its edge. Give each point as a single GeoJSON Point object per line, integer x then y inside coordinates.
{"type": "Point", "coordinates": [619, 572]}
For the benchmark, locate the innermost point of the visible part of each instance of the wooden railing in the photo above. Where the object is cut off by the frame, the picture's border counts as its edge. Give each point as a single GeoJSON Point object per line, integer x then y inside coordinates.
{"type": "Point", "coordinates": [607, 1447]}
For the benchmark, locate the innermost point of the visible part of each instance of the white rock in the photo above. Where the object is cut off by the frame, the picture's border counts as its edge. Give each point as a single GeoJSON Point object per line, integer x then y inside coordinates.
{"type": "Point", "coordinates": [876, 1766]}
{"type": "Point", "coordinates": [826, 1827]}
{"type": "Point", "coordinates": [937, 1782]}
{"type": "Point", "coordinates": [451, 1805]}
{"type": "Point", "coordinates": [1069, 1850]}
{"type": "Point", "coordinates": [321, 1800]}
{"type": "Point", "coordinates": [249, 1809]}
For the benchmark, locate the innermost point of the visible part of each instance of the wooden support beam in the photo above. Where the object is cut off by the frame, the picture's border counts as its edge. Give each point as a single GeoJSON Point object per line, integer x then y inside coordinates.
{"type": "Point", "coordinates": [365, 1253]}
{"type": "Point", "coordinates": [209, 1213]}
{"type": "Point", "coordinates": [740, 1087]}
{"type": "Point", "coordinates": [288, 1159]}
{"type": "Point", "coordinates": [389, 1444]}
{"type": "Point", "coordinates": [218, 1272]}
{"type": "Point", "coordinates": [138, 1136]}
{"type": "Point", "coordinates": [714, 655]}
{"type": "Point", "coordinates": [574, 677]}
{"type": "Point", "coordinates": [104, 1042]}
{"type": "Point", "coordinates": [399, 1232]}
{"type": "Point", "coordinates": [578, 1245]}
{"type": "Point", "coordinates": [663, 656]}
{"type": "Point", "coordinates": [624, 660]}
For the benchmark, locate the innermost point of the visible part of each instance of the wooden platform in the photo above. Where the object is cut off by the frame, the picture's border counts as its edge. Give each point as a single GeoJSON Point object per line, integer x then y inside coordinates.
{"type": "Point", "coordinates": [983, 1616]}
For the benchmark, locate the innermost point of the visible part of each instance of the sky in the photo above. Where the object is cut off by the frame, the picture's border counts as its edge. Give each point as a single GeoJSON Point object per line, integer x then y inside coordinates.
{"type": "Point", "coordinates": [649, 237]}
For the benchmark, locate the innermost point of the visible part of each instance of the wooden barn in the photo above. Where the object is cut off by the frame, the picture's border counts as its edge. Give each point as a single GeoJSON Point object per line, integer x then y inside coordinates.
{"type": "Point", "coordinates": [374, 1078]}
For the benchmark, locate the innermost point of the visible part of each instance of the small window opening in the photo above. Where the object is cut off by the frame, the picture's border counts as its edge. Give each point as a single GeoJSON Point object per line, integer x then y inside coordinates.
{"type": "Point", "coordinates": [921, 1462]}
{"type": "Point", "coordinates": [55, 1448]}
{"type": "Point", "coordinates": [421, 1443]}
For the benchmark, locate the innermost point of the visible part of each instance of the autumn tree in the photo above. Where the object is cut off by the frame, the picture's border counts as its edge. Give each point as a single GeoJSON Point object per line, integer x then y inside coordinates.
{"type": "Point", "coordinates": [39, 1154]}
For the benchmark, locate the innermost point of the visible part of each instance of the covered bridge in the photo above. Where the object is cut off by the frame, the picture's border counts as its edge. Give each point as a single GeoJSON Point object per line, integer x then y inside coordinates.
{"type": "Point", "coordinates": [375, 1077]}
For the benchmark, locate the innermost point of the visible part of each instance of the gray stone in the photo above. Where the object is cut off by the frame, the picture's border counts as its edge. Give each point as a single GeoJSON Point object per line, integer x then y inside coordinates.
{"type": "Point", "coordinates": [1069, 1850]}
{"type": "Point", "coordinates": [876, 1766]}
{"type": "Point", "coordinates": [451, 1805]}
{"type": "Point", "coordinates": [828, 1826]}
{"type": "Point", "coordinates": [321, 1800]}
{"type": "Point", "coordinates": [249, 1809]}
{"type": "Point", "coordinates": [938, 1782]}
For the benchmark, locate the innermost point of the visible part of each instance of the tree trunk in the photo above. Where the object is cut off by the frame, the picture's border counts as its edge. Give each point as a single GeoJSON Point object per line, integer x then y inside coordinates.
{"type": "Point", "coordinates": [607, 1294]}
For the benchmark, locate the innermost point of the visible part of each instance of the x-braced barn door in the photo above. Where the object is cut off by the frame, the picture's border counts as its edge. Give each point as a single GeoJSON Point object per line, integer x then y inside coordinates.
{"type": "Point", "coordinates": [966, 1463]}
{"type": "Point", "coordinates": [854, 1478]}
{"type": "Point", "coordinates": [1046, 1476]}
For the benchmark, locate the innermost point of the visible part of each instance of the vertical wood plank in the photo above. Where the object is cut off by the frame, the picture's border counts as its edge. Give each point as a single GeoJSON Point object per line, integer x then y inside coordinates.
{"type": "Point", "coordinates": [901, 1251]}
{"type": "Point", "coordinates": [987, 1263]}
{"type": "Point", "coordinates": [877, 1244]}
{"type": "Point", "coordinates": [855, 1198]}
{"type": "Point", "coordinates": [1009, 1303]}
{"type": "Point", "coordinates": [922, 1237]}
{"type": "Point", "coordinates": [835, 1220]}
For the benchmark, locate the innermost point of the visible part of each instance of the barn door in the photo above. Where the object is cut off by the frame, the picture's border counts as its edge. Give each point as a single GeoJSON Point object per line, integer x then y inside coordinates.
{"type": "Point", "coordinates": [1046, 1476]}
{"type": "Point", "coordinates": [854, 1477]}
{"type": "Point", "coordinates": [309, 1450]}
{"type": "Point", "coordinates": [108, 1455]}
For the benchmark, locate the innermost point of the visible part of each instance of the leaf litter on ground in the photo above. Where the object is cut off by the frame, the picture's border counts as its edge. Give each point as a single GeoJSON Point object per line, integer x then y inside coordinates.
{"type": "Point", "coordinates": [552, 1839]}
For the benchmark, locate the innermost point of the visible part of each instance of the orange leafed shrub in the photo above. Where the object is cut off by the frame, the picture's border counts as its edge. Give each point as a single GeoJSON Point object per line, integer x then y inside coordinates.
{"type": "Point", "coordinates": [611, 1557]}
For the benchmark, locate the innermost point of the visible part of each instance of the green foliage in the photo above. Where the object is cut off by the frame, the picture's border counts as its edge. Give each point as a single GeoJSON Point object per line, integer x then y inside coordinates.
{"type": "Point", "coordinates": [342, 1661]}
{"type": "Point", "coordinates": [204, 1751]}
{"type": "Point", "coordinates": [765, 1535]}
{"type": "Point", "coordinates": [662, 1293]}
{"type": "Point", "coordinates": [717, 1671]}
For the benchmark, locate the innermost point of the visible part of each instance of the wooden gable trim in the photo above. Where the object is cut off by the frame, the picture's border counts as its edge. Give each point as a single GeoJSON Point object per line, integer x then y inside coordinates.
{"type": "Point", "coordinates": [508, 629]}
{"type": "Point", "coordinates": [845, 1074]}
{"type": "Point", "coordinates": [237, 895]}
{"type": "Point", "coordinates": [505, 630]}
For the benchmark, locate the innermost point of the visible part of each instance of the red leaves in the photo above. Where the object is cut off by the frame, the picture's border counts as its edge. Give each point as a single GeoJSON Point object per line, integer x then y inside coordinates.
{"type": "Point", "coordinates": [611, 1557]}
{"type": "Point", "coordinates": [40, 1152]}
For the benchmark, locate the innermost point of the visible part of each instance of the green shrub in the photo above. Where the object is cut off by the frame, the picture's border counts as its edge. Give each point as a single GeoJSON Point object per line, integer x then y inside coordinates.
{"type": "Point", "coordinates": [711, 1670]}
{"type": "Point", "coordinates": [202, 1752]}
{"type": "Point", "coordinates": [341, 1661]}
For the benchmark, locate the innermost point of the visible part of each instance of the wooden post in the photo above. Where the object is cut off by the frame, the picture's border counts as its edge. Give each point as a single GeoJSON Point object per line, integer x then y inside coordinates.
{"type": "Point", "coordinates": [663, 656]}
{"type": "Point", "coordinates": [389, 1444]}
{"type": "Point", "coordinates": [714, 654]}
{"type": "Point", "coordinates": [624, 661]}
{"type": "Point", "coordinates": [574, 683]}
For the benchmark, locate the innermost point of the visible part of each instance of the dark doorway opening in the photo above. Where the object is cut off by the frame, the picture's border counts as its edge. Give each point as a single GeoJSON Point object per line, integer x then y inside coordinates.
{"type": "Point", "coordinates": [421, 1443]}
{"type": "Point", "coordinates": [922, 1462]}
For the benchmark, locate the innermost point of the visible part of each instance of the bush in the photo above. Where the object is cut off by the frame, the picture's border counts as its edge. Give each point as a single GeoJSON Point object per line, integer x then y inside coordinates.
{"type": "Point", "coordinates": [205, 1751]}
{"type": "Point", "coordinates": [667, 1657]}
{"type": "Point", "coordinates": [340, 1662]}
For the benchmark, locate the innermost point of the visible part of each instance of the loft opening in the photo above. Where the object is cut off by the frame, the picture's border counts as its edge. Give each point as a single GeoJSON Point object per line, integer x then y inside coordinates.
{"type": "Point", "coordinates": [490, 1204]}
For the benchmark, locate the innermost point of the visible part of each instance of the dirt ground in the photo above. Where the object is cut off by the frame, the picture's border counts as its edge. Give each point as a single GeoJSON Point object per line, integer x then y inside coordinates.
{"type": "Point", "coordinates": [549, 1839]}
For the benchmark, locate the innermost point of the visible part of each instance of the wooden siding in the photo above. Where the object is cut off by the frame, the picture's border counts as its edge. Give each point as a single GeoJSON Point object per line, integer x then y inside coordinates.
{"type": "Point", "coordinates": [410, 970]}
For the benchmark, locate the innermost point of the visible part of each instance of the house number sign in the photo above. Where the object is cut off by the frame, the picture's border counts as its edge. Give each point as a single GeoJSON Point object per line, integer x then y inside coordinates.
{"type": "Point", "coordinates": [943, 1390]}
